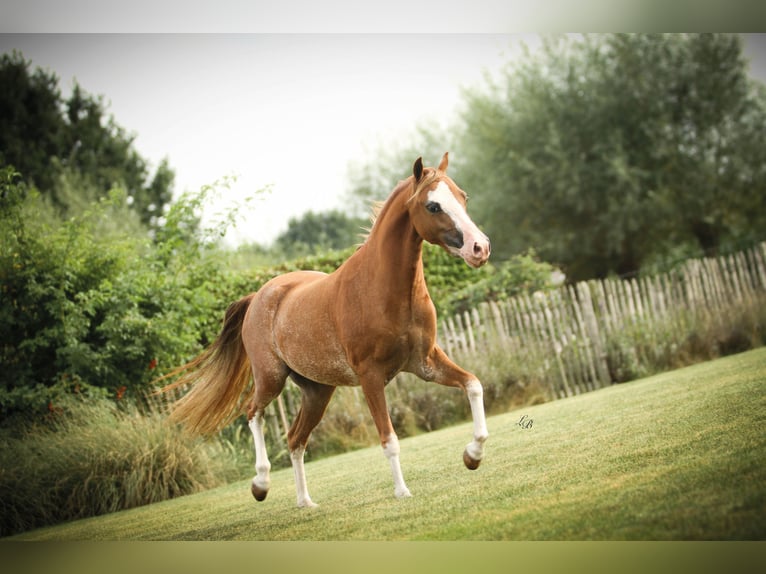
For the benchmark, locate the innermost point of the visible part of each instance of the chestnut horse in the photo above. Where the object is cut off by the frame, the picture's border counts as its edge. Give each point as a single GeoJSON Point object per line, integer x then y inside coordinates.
{"type": "Point", "coordinates": [360, 325]}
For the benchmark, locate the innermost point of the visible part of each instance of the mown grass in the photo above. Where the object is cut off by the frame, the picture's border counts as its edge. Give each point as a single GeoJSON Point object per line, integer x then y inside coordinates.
{"type": "Point", "coordinates": [677, 456]}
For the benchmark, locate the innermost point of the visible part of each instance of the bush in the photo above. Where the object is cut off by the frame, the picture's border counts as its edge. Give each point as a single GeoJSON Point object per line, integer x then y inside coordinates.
{"type": "Point", "coordinates": [520, 274]}
{"type": "Point", "coordinates": [92, 308]}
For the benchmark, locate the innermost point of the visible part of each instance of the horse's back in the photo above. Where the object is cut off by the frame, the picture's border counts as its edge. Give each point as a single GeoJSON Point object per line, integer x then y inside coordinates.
{"type": "Point", "coordinates": [293, 279]}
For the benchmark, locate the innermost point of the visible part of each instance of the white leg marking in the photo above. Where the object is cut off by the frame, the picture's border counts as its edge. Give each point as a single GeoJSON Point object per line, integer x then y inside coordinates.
{"type": "Point", "coordinates": [262, 464]}
{"type": "Point", "coordinates": [476, 399]}
{"type": "Point", "coordinates": [302, 491]}
{"type": "Point", "coordinates": [391, 450]}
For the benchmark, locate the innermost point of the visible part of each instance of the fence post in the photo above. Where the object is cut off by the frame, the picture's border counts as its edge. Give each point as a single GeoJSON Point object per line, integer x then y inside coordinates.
{"type": "Point", "coordinates": [594, 334]}
{"type": "Point", "coordinates": [555, 344]}
{"type": "Point", "coordinates": [499, 323]}
{"type": "Point", "coordinates": [282, 413]}
{"type": "Point", "coordinates": [469, 331]}
{"type": "Point", "coordinates": [759, 256]}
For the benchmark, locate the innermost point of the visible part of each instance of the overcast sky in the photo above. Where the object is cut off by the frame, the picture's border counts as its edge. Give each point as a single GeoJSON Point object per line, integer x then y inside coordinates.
{"type": "Point", "coordinates": [290, 111]}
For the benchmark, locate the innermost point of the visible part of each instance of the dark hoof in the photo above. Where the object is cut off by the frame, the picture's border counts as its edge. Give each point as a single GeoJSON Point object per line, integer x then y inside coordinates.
{"type": "Point", "coordinates": [258, 492]}
{"type": "Point", "coordinates": [470, 463]}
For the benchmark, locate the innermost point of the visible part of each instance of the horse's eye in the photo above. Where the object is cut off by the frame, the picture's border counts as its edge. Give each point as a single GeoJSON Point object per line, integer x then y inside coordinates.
{"type": "Point", "coordinates": [433, 207]}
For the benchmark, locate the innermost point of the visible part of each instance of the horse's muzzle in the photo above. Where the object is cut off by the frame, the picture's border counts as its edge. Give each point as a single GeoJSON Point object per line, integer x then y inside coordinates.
{"type": "Point", "coordinates": [475, 251]}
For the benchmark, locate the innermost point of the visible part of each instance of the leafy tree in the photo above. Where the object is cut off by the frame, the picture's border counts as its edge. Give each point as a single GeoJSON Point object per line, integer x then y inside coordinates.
{"type": "Point", "coordinates": [44, 135]}
{"type": "Point", "coordinates": [606, 153]}
{"type": "Point", "coordinates": [31, 124]}
{"type": "Point", "coordinates": [313, 232]}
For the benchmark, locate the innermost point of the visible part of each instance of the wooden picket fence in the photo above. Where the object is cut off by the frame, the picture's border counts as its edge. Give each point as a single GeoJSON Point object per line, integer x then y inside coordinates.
{"type": "Point", "coordinates": [569, 333]}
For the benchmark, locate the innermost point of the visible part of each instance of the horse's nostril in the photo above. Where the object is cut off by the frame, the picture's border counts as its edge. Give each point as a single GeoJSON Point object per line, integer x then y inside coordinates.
{"type": "Point", "coordinates": [477, 248]}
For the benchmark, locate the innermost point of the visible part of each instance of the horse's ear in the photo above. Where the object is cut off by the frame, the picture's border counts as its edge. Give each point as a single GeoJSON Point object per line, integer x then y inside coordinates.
{"type": "Point", "coordinates": [417, 169]}
{"type": "Point", "coordinates": [445, 162]}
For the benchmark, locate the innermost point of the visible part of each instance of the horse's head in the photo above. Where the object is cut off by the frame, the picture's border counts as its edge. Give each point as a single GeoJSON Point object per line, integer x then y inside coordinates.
{"type": "Point", "coordinates": [438, 212]}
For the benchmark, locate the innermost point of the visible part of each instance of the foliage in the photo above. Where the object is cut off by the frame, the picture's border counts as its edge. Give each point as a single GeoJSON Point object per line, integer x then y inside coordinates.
{"type": "Point", "coordinates": [312, 232]}
{"type": "Point", "coordinates": [607, 151]}
{"type": "Point", "coordinates": [92, 306]}
{"type": "Point", "coordinates": [447, 275]}
{"type": "Point", "coordinates": [43, 135]}
{"type": "Point", "coordinates": [519, 274]}
{"type": "Point", "coordinates": [96, 458]}
{"type": "Point", "coordinates": [94, 309]}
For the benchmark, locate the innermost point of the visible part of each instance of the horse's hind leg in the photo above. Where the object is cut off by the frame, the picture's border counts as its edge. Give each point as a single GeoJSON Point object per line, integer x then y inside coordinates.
{"type": "Point", "coordinates": [314, 400]}
{"type": "Point", "coordinates": [261, 481]}
{"type": "Point", "coordinates": [267, 388]}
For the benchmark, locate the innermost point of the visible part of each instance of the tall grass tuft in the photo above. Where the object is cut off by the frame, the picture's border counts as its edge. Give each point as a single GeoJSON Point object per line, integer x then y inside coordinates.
{"type": "Point", "coordinates": [95, 458]}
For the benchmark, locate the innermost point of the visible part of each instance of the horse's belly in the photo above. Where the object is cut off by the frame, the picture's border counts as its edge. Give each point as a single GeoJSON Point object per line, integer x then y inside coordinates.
{"type": "Point", "coordinates": [317, 359]}
{"type": "Point", "coordinates": [333, 371]}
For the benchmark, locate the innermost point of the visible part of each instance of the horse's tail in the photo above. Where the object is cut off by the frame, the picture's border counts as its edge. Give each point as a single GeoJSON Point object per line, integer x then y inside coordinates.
{"type": "Point", "coordinates": [219, 376]}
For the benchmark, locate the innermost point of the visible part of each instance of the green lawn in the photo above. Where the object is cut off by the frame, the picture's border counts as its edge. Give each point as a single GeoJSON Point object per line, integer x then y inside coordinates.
{"type": "Point", "coordinates": [678, 456]}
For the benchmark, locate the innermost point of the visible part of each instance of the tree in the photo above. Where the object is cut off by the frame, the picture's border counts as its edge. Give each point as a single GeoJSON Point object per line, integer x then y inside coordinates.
{"type": "Point", "coordinates": [31, 124]}
{"type": "Point", "coordinates": [608, 152]}
{"type": "Point", "coordinates": [312, 232]}
{"type": "Point", "coordinates": [43, 136]}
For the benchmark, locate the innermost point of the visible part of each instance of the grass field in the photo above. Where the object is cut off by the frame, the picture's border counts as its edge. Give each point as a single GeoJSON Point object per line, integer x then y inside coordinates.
{"type": "Point", "coordinates": [678, 456]}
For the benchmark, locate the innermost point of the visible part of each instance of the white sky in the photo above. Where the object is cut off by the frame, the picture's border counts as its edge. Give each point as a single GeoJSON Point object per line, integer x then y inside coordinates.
{"type": "Point", "coordinates": [289, 110]}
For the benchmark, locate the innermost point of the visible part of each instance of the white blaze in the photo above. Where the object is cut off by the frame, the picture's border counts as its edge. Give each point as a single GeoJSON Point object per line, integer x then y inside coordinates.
{"type": "Point", "coordinates": [472, 236]}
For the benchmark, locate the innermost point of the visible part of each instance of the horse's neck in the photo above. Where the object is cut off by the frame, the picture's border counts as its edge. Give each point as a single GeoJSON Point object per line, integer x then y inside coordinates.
{"type": "Point", "coordinates": [394, 250]}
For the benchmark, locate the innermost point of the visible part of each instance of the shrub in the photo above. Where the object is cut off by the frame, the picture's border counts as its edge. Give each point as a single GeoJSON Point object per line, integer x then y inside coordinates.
{"type": "Point", "coordinates": [94, 309]}
{"type": "Point", "coordinates": [457, 288]}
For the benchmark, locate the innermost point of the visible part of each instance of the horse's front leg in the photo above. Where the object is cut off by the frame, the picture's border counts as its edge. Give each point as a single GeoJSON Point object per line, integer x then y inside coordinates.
{"type": "Point", "coordinates": [374, 393]}
{"type": "Point", "coordinates": [474, 450]}
{"type": "Point", "coordinates": [440, 369]}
